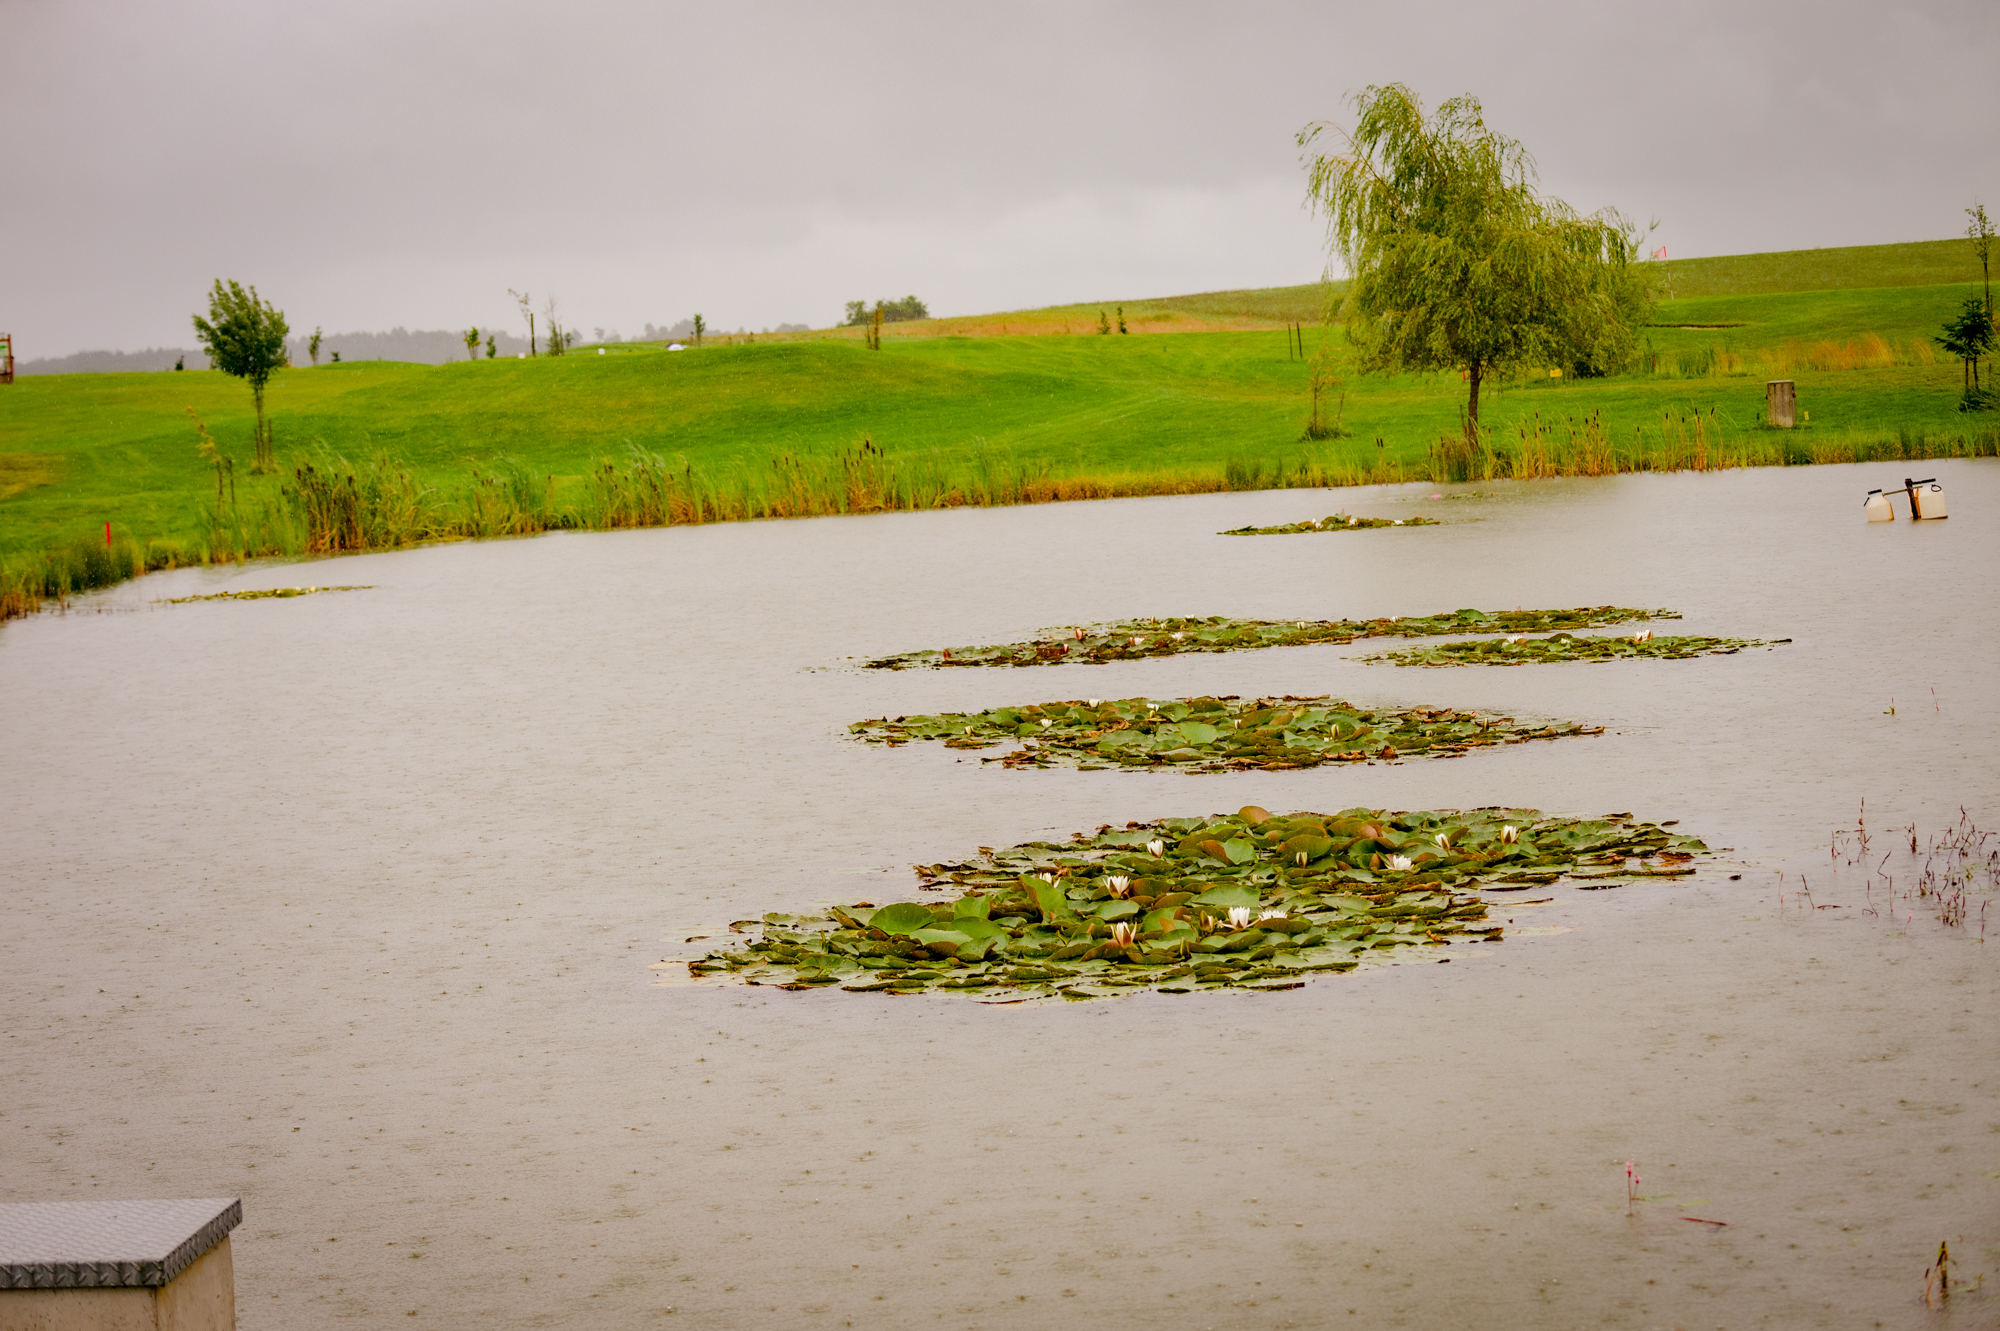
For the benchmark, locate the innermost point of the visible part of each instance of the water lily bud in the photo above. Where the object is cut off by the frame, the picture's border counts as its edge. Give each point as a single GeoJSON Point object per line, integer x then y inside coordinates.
{"type": "Point", "coordinates": [1046, 723]}
{"type": "Point", "coordinates": [1123, 934]}
{"type": "Point", "coordinates": [1443, 839]}
{"type": "Point", "coordinates": [1509, 835]}
{"type": "Point", "coordinates": [1093, 702]}
{"type": "Point", "coordinates": [1239, 917]}
{"type": "Point", "coordinates": [1301, 858]}
{"type": "Point", "coordinates": [1156, 848]}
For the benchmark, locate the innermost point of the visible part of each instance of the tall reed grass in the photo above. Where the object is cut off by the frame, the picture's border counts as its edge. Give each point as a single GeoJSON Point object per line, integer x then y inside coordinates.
{"type": "Point", "coordinates": [1540, 446]}
{"type": "Point", "coordinates": [1870, 351]}
{"type": "Point", "coordinates": [331, 506]}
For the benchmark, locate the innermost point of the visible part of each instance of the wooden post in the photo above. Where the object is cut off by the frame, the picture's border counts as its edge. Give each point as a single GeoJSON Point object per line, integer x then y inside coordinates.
{"type": "Point", "coordinates": [1780, 403]}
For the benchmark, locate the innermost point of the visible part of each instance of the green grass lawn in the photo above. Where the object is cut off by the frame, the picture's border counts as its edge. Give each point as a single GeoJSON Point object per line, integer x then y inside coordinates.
{"type": "Point", "coordinates": [79, 450]}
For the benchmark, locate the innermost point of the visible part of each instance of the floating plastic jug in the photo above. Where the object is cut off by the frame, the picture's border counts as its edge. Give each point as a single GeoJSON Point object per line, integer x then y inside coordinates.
{"type": "Point", "coordinates": [1878, 507]}
{"type": "Point", "coordinates": [1927, 501]}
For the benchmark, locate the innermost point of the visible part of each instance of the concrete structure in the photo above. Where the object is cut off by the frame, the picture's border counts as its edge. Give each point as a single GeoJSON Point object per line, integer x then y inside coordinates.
{"type": "Point", "coordinates": [118, 1266]}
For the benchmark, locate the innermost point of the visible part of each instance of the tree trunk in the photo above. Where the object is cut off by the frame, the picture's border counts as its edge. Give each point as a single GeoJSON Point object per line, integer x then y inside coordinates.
{"type": "Point", "coordinates": [260, 441]}
{"type": "Point", "coordinates": [1473, 372]}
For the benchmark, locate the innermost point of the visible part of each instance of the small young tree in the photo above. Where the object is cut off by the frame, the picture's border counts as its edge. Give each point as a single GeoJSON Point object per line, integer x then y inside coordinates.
{"type": "Point", "coordinates": [1456, 262]}
{"type": "Point", "coordinates": [245, 336]}
{"type": "Point", "coordinates": [526, 303]}
{"type": "Point", "coordinates": [491, 350]}
{"type": "Point", "coordinates": [1121, 319]}
{"type": "Point", "coordinates": [472, 344]}
{"type": "Point", "coordinates": [1968, 335]}
{"type": "Point", "coordinates": [558, 341]}
{"type": "Point", "coordinates": [700, 327]}
{"type": "Point", "coordinates": [312, 346]}
{"type": "Point", "coordinates": [1103, 324]}
{"type": "Point", "coordinates": [1323, 378]}
{"type": "Point", "coordinates": [1980, 232]}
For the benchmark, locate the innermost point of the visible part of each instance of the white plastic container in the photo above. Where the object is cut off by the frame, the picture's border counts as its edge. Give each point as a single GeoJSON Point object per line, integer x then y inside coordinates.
{"type": "Point", "coordinates": [1927, 501]}
{"type": "Point", "coordinates": [1878, 507]}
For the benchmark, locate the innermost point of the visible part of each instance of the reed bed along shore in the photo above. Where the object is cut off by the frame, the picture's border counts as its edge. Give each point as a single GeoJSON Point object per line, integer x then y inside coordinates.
{"type": "Point", "coordinates": [331, 506]}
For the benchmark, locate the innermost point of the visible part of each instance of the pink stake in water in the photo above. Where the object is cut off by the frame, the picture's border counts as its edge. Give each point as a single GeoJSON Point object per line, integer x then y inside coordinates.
{"type": "Point", "coordinates": [1632, 1182]}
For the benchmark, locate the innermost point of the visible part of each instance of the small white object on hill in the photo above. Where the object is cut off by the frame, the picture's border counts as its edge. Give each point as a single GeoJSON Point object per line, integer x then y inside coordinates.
{"type": "Point", "coordinates": [675, 346]}
{"type": "Point", "coordinates": [600, 351]}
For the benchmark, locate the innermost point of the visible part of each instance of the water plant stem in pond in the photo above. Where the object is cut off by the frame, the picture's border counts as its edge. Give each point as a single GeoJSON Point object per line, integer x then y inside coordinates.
{"type": "Point", "coordinates": [1213, 734]}
{"type": "Point", "coordinates": [1229, 901]}
{"type": "Point", "coordinates": [1135, 639]}
{"type": "Point", "coordinates": [1567, 647]}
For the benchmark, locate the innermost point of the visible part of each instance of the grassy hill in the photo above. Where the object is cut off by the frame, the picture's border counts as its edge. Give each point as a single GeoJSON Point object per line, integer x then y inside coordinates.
{"type": "Point", "coordinates": [1031, 412]}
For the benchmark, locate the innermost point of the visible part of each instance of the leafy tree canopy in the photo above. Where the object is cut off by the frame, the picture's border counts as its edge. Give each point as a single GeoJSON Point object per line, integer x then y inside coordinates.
{"type": "Point", "coordinates": [243, 335]}
{"type": "Point", "coordinates": [1457, 263]}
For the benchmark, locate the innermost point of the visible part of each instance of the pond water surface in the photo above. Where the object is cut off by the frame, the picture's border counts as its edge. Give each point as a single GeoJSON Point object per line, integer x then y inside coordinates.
{"type": "Point", "coordinates": [346, 904]}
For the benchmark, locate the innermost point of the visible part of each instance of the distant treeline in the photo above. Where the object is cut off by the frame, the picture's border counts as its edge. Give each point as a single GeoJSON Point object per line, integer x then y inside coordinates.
{"type": "Point", "coordinates": [893, 311]}
{"type": "Point", "coordinates": [422, 346]}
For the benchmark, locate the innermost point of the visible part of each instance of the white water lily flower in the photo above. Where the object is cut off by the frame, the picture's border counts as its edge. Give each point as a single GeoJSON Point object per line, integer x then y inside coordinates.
{"type": "Point", "coordinates": [1137, 641]}
{"type": "Point", "coordinates": [1397, 523]}
{"type": "Point", "coordinates": [1509, 835]}
{"type": "Point", "coordinates": [1643, 635]}
{"type": "Point", "coordinates": [1302, 623]}
{"type": "Point", "coordinates": [1077, 634]}
{"type": "Point", "coordinates": [1301, 858]}
{"type": "Point", "coordinates": [1275, 913]}
{"type": "Point", "coordinates": [1179, 636]}
{"type": "Point", "coordinates": [1123, 934]}
{"type": "Point", "coordinates": [1093, 702]}
{"type": "Point", "coordinates": [1118, 884]}
{"type": "Point", "coordinates": [1047, 723]}
{"type": "Point", "coordinates": [1352, 522]}
{"type": "Point", "coordinates": [1047, 877]}
{"type": "Point", "coordinates": [1156, 848]}
{"type": "Point", "coordinates": [1511, 641]}
{"type": "Point", "coordinates": [1443, 839]}
{"type": "Point", "coordinates": [1399, 861]}
{"type": "Point", "coordinates": [1239, 917]}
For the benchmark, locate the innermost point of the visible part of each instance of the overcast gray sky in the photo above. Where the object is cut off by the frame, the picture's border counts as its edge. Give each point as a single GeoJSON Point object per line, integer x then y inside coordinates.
{"type": "Point", "coordinates": [374, 164]}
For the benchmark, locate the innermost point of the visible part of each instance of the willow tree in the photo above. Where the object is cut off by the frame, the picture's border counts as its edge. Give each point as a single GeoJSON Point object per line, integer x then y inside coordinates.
{"type": "Point", "coordinates": [1456, 262]}
{"type": "Point", "coordinates": [245, 336]}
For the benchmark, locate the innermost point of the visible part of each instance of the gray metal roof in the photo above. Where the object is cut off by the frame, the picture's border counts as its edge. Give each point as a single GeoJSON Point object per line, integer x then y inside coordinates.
{"type": "Point", "coordinates": [97, 1245]}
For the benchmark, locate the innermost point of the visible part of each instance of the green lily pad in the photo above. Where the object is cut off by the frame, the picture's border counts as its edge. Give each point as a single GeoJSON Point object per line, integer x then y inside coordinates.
{"type": "Point", "coordinates": [1565, 647]}
{"type": "Point", "coordinates": [1338, 522]}
{"type": "Point", "coordinates": [903, 917]}
{"type": "Point", "coordinates": [1150, 905]}
{"type": "Point", "coordinates": [1216, 734]}
{"type": "Point", "coordinates": [1138, 639]}
{"type": "Point", "coordinates": [268, 593]}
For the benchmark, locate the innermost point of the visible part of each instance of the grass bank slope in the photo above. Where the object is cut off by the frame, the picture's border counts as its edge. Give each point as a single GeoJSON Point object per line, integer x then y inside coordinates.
{"type": "Point", "coordinates": [776, 427]}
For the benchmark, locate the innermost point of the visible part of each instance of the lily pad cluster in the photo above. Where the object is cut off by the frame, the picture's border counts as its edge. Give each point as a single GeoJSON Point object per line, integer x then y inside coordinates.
{"type": "Point", "coordinates": [1338, 522]}
{"type": "Point", "coordinates": [263, 595]}
{"type": "Point", "coordinates": [1235, 901]}
{"type": "Point", "coordinates": [1566, 647]}
{"type": "Point", "coordinates": [1213, 734]}
{"type": "Point", "coordinates": [1138, 639]}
